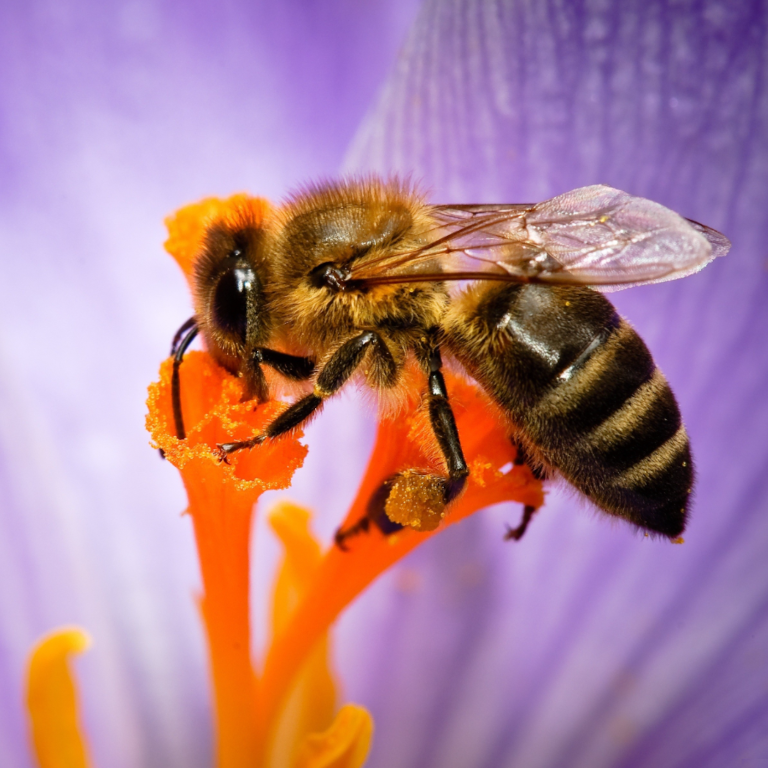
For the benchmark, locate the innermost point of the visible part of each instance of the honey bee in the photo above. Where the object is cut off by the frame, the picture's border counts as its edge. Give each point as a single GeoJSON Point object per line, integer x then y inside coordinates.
{"type": "Point", "coordinates": [362, 278]}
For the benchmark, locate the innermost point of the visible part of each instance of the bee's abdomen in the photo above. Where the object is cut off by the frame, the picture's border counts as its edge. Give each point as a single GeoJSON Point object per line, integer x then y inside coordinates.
{"type": "Point", "coordinates": [619, 437]}
{"type": "Point", "coordinates": [582, 388]}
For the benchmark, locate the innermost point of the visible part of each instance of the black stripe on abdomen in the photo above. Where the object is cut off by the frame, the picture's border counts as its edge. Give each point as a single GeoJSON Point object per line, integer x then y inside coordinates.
{"type": "Point", "coordinates": [613, 429]}
{"type": "Point", "coordinates": [647, 419]}
{"type": "Point", "coordinates": [655, 492]}
{"type": "Point", "coordinates": [615, 370]}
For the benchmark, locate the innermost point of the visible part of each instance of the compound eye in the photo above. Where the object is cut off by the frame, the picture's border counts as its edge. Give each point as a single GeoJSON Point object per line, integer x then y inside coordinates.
{"type": "Point", "coordinates": [230, 300]}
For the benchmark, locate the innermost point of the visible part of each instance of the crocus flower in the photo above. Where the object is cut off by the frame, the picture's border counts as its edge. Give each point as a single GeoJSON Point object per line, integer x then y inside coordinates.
{"type": "Point", "coordinates": [584, 644]}
{"type": "Point", "coordinates": [258, 720]}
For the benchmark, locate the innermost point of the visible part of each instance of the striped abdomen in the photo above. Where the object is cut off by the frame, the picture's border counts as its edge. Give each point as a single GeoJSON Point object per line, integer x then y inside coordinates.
{"type": "Point", "coordinates": [583, 393]}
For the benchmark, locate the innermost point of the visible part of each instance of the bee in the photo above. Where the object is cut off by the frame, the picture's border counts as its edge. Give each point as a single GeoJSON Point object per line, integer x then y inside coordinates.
{"type": "Point", "coordinates": [362, 278]}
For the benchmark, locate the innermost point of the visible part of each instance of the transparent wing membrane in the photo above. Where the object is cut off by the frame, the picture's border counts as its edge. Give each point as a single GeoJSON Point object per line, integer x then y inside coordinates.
{"type": "Point", "coordinates": [594, 235]}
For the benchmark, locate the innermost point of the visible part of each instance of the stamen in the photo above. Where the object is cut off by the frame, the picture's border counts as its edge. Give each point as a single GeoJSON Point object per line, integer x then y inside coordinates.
{"type": "Point", "coordinates": [306, 716]}
{"type": "Point", "coordinates": [401, 444]}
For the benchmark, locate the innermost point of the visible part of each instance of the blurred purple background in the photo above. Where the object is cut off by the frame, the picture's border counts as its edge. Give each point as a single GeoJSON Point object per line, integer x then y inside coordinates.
{"type": "Point", "coordinates": [584, 645]}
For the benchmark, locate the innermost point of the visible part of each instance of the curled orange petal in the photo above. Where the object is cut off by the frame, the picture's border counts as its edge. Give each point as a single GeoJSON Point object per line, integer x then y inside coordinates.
{"type": "Point", "coordinates": [310, 705]}
{"type": "Point", "coordinates": [211, 401]}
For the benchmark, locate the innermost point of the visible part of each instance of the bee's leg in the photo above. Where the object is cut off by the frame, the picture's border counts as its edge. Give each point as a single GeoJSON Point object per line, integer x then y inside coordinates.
{"type": "Point", "coordinates": [180, 333]}
{"type": "Point", "coordinates": [181, 341]}
{"type": "Point", "coordinates": [290, 366]}
{"type": "Point", "coordinates": [374, 513]}
{"type": "Point", "coordinates": [444, 427]}
{"type": "Point", "coordinates": [539, 473]}
{"type": "Point", "coordinates": [334, 375]}
{"type": "Point", "coordinates": [417, 499]}
{"type": "Point", "coordinates": [522, 457]}
{"type": "Point", "coordinates": [517, 533]}
{"type": "Point", "coordinates": [342, 534]}
{"type": "Point", "coordinates": [256, 387]}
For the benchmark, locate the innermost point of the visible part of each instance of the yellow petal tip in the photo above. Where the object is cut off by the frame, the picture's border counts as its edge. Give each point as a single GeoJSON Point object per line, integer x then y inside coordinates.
{"type": "Point", "coordinates": [52, 699]}
{"type": "Point", "coordinates": [59, 643]}
{"type": "Point", "coordinates": [344, 745]}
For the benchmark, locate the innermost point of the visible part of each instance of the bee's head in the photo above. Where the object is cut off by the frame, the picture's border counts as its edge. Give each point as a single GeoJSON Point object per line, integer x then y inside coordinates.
{"type": "Point", "coordinates": [230, 278]}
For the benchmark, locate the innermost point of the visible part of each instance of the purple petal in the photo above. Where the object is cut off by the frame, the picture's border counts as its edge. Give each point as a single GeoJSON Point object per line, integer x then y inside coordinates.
{"type": "Point", "coordinates": [586, 644]}
{"type": "Point", "coordinates": [111, 117]}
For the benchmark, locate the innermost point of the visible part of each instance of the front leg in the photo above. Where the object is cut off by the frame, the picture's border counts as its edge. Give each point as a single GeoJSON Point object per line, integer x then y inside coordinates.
{"type": "Point", "coordinates": [181, 341]}
{"type": "Point", "coordinates": [290, 366]}
{"type": "Point", "coordinates": [335, 374]}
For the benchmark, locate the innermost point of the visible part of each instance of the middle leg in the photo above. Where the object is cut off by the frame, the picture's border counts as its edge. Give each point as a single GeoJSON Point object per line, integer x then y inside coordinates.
{"type": "Point", "coordinates": [336, 372]}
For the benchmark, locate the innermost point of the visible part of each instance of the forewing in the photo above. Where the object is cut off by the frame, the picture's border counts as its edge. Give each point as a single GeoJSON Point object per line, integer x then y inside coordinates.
{"type": "Point", "coordinates": [594, 235]}
{"type": "Point", "coordinates": [719, 243]}
{"type": "Point", "coordinates": [606, 237]}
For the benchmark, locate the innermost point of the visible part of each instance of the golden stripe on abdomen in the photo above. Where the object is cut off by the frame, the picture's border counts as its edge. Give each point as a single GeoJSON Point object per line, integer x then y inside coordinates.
{"type": "Point", "coordinates": [655, 492]}
{"type": "Point", "coordinates": [614, 372]}
{"type": "Point", "coordinates": [645, 422]}
{"type": "Point", "coordinates": [613, 429]}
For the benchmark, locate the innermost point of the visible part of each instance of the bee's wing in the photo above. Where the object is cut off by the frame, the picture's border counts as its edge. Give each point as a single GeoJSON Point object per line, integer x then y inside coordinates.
{"type": "Point", "coordinates": [594, 235]}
